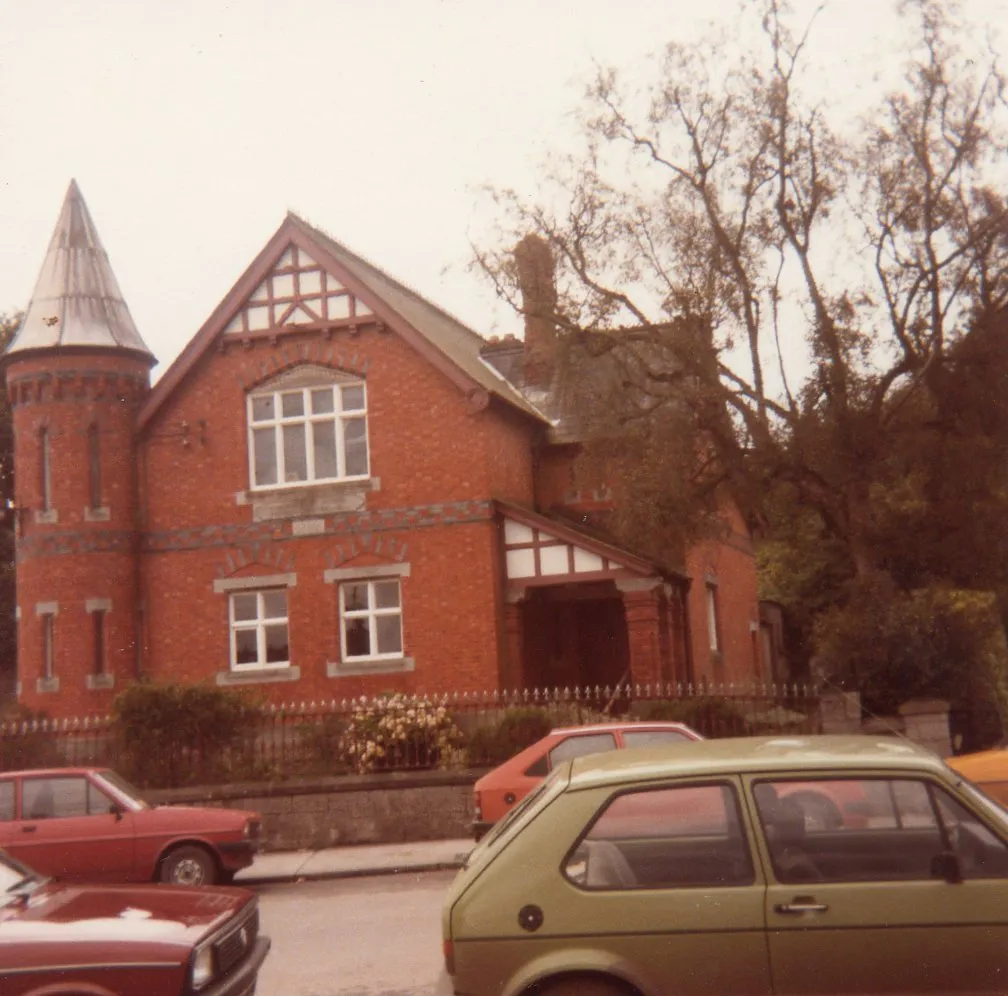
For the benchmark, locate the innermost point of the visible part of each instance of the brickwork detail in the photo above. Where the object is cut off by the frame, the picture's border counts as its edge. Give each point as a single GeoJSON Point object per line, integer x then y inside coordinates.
{"type": "Point", "coordinates": [320, 353]}
{"type": "Point", "coordinates": [266, 556]}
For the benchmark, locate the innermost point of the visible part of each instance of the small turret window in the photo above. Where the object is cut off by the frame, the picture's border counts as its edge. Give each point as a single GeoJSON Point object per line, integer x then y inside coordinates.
{"type": "Point", "coordinates": [94, 467]}
{"type": "Point", "coordinates": [45, 481]}
{"type": "Point", "coordinates": [48, 645]}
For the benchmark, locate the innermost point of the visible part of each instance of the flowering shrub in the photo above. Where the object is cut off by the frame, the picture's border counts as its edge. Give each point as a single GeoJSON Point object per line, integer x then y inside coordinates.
{"type": "Point", "coordinates": [398, 731]}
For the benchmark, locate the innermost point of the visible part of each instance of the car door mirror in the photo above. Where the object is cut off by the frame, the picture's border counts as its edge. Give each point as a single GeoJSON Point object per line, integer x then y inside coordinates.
{"type": "Point", "coordinates": [946, 866]}
{"type": "Point", "coordinates": [116, 810]}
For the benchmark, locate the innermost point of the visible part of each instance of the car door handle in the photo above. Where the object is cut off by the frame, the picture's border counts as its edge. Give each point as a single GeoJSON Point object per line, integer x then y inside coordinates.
{"type": "Point", "coordinates": [801, 904]}
{"type": "Point", "coordinates": [30, 829]}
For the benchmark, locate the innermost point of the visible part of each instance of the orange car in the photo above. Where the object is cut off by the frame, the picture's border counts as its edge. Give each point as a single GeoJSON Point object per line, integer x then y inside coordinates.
{"type": "Point", "coordinates": [496, 792]}
{"type": "Point", "coordinates": [987, 769]}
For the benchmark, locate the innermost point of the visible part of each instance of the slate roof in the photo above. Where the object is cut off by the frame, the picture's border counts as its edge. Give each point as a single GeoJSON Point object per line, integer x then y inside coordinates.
{"type": "Point", "coordinates": [77, 301]}
{"type": "Point", "coordinates": [459, 343]}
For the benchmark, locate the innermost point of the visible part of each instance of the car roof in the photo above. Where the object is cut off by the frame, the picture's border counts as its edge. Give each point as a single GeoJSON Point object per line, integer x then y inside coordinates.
{"type": "Point", "coordinates": [747, 755]}
{"type": "Point", "coordinates": [629, 724]}
{"type": "Point", "coordinates": [53, 772]}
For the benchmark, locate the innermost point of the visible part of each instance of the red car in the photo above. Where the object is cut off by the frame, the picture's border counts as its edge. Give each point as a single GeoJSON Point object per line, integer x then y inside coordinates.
{"type": "Point", "coordinates": [104, 940]}
{"type": "Point", "coordinates": [495, 793]}
{"type": "Point", "coordinates": [89, 824]}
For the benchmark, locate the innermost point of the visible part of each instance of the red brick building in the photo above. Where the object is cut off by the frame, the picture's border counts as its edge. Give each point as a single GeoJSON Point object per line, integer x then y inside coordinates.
{"type": "Point", "coordinates": [334, 490]}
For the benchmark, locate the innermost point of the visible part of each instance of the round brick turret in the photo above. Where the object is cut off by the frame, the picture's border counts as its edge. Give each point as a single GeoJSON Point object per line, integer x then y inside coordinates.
{"type": "Point", "coordinates": [76, 373]}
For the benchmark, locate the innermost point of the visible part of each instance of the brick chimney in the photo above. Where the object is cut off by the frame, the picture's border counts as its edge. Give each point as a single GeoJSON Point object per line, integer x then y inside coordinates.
{"type": "Point", "coordinates": [537, 281]}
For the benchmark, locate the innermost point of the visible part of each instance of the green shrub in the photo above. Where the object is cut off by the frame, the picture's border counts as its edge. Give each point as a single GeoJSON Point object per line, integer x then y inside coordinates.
{"type": "Point", "coordinates": [709, 715]}
{"type": "Point", "coordinates": [28, 747]}
{"type": "Point", "coordinates": [322, 748]}
{"type": "Point", "coordinates": [170, 735]}
{"type": "Point", "coordinates": [397, 731]}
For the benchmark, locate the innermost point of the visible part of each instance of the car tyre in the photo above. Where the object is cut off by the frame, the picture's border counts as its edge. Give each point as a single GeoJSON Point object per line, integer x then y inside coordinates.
{"type": "Point", "coordinates": [189, 865]}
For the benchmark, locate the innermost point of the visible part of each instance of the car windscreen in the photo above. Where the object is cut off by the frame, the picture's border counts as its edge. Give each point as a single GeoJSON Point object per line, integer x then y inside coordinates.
{"type": "Point", "coordinates": [12, 873]}
{"type": "Point", "coordinates": [123, 788]}
{"type": "Point", "coordinates": [991, 807]}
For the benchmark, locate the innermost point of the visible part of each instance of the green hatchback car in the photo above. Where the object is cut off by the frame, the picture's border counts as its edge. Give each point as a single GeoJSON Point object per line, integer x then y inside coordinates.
{"type": "Point", "coordinates": [692, 869]}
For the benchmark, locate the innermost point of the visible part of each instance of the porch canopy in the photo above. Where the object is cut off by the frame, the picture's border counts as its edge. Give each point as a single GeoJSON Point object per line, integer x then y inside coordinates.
{"type": "Point", "coordinates": [578, 609]}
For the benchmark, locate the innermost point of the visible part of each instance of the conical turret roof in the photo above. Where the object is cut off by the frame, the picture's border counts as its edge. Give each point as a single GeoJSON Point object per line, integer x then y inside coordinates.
{"type": "Point", "coordinates": [77, 301]}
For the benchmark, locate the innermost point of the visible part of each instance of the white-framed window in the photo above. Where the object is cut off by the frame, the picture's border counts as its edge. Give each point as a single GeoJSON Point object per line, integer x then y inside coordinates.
{"type": "Point", "coordinates": [371, 619]}
{"type": "Point", "coordinates": [259, 629]}
{"type": "Point", "coordinates": [302, 435]}
{"type": "Point", "coordinates": [712, 617]}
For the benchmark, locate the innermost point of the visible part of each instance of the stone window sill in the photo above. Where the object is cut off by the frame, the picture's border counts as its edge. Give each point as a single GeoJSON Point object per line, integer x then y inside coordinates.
{"type": "Point", "coordinates": [349, 669]}
{"type": "Point", "coordinates": [308, 500]}
{"type": "Point", "coordinates": [262, 676]}
{"type": "Point", "coordinates": [47, 686]}
{"type": "Point", "coordinates": [102, 514]}
{"type": "Point", "coordinates": [47, 518]}
{"type": "Point", "coordinates": [98, 682]}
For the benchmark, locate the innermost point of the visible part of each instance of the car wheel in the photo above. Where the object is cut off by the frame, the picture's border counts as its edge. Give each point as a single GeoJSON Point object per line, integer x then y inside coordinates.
{"type": "Point", "coordinates": [189, 865]}
{"type": "Point", "coordinates": [821, 812]}
{"type": "Point", "coordinates": [584, 985]}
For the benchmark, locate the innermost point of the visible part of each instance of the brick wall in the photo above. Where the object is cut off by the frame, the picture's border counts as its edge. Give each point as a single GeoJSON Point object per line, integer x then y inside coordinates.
{"type": "Point", "coordinates": [78, 555]}
{"type": "Point", "coordinates": [436, 463]}
{"type": "Point", "coordinates": [729, 566]}
{"type": "Point", "coordinates": [351, 810]}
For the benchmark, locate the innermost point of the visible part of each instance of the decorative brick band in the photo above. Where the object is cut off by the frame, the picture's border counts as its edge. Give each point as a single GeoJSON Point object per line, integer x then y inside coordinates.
{"type": "Point", "coordinates": [57, 544]}
{"type": "Point", "coordinates": [356, 526]}
{"type": "Point", "coordinates": [386, 547]}
{"type": "Point", "coordinates": [75, 385]}
{"type": "Point", "coordinates": [254, 538]}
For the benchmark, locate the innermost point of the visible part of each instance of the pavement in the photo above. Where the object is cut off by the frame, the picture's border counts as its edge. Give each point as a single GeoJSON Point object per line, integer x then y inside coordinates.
{"type": "Point", "coordinates": [355, 861]}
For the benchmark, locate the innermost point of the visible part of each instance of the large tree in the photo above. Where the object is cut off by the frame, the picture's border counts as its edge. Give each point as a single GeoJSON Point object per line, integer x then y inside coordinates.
{"type": "Point", "coordinates": [803, 287]}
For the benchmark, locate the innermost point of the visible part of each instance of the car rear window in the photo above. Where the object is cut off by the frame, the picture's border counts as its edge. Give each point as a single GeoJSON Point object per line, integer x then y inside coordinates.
{"type": "Point", "coordinates": [649, 738]}
{"type": "Point", "coordinates": [579, 746]}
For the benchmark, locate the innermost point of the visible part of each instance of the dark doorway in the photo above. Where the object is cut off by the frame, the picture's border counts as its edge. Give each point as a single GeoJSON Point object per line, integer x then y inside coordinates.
{"type": "Point", "coordinates": [574, 636]}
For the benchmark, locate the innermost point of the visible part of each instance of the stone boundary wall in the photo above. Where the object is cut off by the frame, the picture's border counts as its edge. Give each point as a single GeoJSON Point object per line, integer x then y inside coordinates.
{"type": "Point", "coordinates": [397, 807]}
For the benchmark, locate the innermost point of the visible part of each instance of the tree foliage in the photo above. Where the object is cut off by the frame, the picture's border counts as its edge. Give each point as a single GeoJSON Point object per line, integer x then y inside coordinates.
{"type": "Point", "coordinates": [823, 302]}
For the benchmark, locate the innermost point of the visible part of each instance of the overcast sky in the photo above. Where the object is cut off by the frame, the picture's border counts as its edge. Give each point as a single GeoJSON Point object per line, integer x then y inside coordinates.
{"type": "Point", "coordinates": [192, 126]}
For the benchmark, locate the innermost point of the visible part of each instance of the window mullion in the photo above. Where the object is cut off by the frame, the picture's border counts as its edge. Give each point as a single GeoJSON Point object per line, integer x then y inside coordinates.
{"type": "Point", "coordinates": [310, 448]}
{"type": "Point", "coordinates": [340, 445]}
{"type": "Point", "coordinates": [278, 446]}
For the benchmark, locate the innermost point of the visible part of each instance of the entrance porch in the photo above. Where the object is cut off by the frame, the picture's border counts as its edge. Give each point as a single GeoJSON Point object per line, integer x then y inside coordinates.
{"type": "Point", "coordinates": [580, 612]}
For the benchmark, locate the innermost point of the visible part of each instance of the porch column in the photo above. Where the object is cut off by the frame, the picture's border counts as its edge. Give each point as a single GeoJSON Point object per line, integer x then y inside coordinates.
{"type": "Point", "coordinates": [641, 600]}
{"type": "Point", "coordinates": [513, 670]}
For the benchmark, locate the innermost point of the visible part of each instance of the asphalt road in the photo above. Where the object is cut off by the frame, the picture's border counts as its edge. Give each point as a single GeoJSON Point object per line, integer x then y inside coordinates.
{"type": "Point", "coordinates": [353, 937]}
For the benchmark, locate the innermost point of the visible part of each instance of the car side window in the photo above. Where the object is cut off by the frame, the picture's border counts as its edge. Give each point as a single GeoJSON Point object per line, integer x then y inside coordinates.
{"type": "Point", "coordinates": [6, 801]}
{"type": "Point", "coordinates": [579, 746]}
{"type": "Point", "coordinates": [981, 853]}
{"type": "Point", "coordinates": [685, 837]}
{"type": "Point", "coordinates": [60, 798]}
{"type": "Point", "coordinates": [648, 738]}
{"type": "Point", "coordinates": [849, 830]}
{"type": "Point", "coordinates": [538, 768]}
